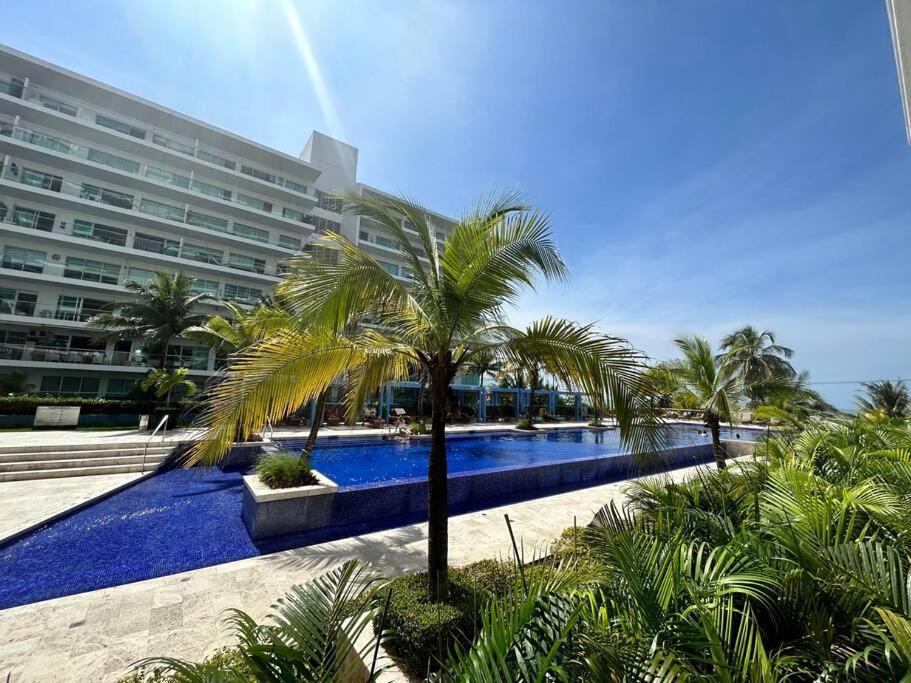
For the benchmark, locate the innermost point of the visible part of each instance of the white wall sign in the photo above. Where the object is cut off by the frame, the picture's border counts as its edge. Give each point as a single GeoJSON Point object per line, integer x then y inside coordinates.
{"type": "Point", "coordinates": [57, 416]}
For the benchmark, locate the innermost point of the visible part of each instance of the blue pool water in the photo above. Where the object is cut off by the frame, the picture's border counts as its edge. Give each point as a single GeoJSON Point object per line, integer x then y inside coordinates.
{"type": "Point", "coordinates": [357, 465]}
{"type": "Point", "coordinates": [186, 519]}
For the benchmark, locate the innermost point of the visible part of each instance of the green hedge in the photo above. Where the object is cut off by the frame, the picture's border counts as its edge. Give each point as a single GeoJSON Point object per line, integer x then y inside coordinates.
{"type": "Point", "coordinates": [26, 404]}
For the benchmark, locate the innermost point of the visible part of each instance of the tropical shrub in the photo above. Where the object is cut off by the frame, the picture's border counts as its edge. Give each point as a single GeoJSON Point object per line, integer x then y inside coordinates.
{"type": "Point", "coordinates": [306, 637]}
{"type": "Point", "coordinates": [525, 423]}
{"type": "Point", "coordinates": [282, 470]}
{"type": "Point", "coordinates": [423, 631]}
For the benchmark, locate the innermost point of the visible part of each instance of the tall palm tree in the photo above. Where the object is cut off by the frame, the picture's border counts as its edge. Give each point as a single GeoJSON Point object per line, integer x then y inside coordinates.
{"type": "Point", "coordinates": [887, 398]}
{"type": "Point", "coordinates": [710, 382]}
{"type": "Point", "coordinates": [759, 358]}
{"type": "Point", "coordinates": [367, 324]}
{"type": "Point", "coordinates": [483, 364]}
{"type": "Point", "coordinates": [158, 312]}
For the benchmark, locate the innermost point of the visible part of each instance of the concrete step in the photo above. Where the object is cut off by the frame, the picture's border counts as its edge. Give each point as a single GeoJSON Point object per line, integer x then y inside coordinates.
{"type": "Point", "coordinates": [76, 446]}
{"type": "Point", "coordinates": [66, 454]}
{"type": "Point", "coordinates": [71, 472]}
{"type": "Point", "coordinates": [77, 463]}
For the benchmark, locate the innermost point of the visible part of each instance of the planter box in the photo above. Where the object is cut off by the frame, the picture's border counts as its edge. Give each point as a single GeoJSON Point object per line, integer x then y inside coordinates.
{"type": "Point", "coordinates": [271, 512]}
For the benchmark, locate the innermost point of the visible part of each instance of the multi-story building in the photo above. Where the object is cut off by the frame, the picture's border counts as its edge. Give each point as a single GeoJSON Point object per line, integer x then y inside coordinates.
{"type": "Point", "coordinates": [99, 187]}
{"type": "Point", "coordinates": [899, 12]}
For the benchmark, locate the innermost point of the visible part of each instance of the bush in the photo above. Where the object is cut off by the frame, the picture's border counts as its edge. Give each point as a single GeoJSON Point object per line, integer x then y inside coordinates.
{"type": "Point", "coordinates": [422, 632]}
{"type": "Point", "coordinates": [525, 423]}
{"type": "Point", "coordinates": [497, 577]}
{"type": "Point", "coordinates": [419, 427]}
{"type": "Point", "coordinates": [282, 470]}
{"type": "Point", "coordinates": [25, 404]}
{"type": "Point", "coordinates": [221, 660]}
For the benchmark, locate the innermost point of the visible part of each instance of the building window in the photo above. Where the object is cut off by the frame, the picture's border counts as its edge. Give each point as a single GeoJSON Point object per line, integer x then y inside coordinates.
{"type": "Point", "coordinates": [244, 262]}
{"type": "Point", "coordinates": [192, 357]}
{"type": "Point", "coordinates": [250, 233]}
{"type": "Point", "coordinates": [118, 387]}
{"type": "Point", "coordinates": [120, 126]}
{"type": "Point", "coordinates": [32, 218]}
{"type": "Point", "coordinates": [17, 303]}
{"type": "Point", "coordinates": [254, 203]}
{"type": "Point", "coordinates": [45, 181]}
{"type": "Point", "coordinates": [105, 196]}
{"type": "Point", "coordinates": [113, 161]}
{"type": "Point", "coordinates": [211, 190]}
{"type": "Point", "coordinates": [14, 338]}
{"type": "Point", "coordinates": [243, 295]}
{"type": "Point", "coordinates": [99, 233]}
{"type": "Point", "coordinates": [289, 242]}
{"type": "Point", "coordinates": [140, 276]}
{"type": "Point", "coordinates": [257, 173]}
{"type": "Point", "coordinates": [293, 214]}
{"type": "Point", "coordinates": [363, 236]}
{"type": "Point", "coordinates": [58, 105]}
{"type": "Point", "coordinates": [407, 272]}
{"type": "Point", "coordinates": [201, 220]}
{"type": "Point", "coordinates": [209, 287]}
{"type": "Point", "coordinates": [77, 308]}
{"type": "Point", "coordinates": [156, 244]}
{"type": "Point", "coordinates": [26, 260]}
{"type": "Point", "coordinates": [171, 213]}
{"type": "Point", "coordinates": [385, 242]}
{"type": "Point", "coordinates": [323, 225]}
{"type": "Point", "coordinates": [46, 141]}
{"type": "Point", "coordinates": [390, 268]}
{"type": "Point", "coordinates": [329, 202]}
{"type": "Point", "coordinates": [202, 254]}
{"type": "Point", "coordinates": [215, 159]}
{"type": "Point", "coordinates": [169, 177]}
{"type": "Point", "coordinates": [297, 187]}
{"type": "Point", "coordinates": [70, 386]}
{"type": "Point", "coordinates": [175, 145]}
{"type": "Point", "coordinates": [91, 271]}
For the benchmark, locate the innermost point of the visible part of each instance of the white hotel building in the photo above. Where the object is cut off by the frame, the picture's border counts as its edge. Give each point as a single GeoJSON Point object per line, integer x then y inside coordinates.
{"type": "Point", "coordinates": [99, 187]}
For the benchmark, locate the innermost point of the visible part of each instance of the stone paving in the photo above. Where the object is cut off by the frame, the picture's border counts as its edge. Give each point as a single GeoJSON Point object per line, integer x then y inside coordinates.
{"type": "Point", "coordinates": [27, 503]}
{"type": "Point", "coordinates": [95, 636]}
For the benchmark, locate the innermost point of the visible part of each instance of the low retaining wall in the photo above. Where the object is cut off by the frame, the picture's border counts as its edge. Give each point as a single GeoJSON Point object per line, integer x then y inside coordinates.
{"type": "Point", "coordinates": [274, 514]}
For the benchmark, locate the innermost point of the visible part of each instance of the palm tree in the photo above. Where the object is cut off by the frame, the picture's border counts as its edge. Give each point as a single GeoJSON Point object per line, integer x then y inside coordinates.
{"type": "Point", "coordinates": [887, 398]}
{"type": "Point", "coordinates": [163, 382]}
{"type": "Point", "coordinates": [244, 327]}
{"type": "Point", "coordinates": [759, 359]}
{"type": "Point", "coordinates": [158, 312]}
{"type": "Point", "coordinates": [710, 382]}
{"type": "Point", "coordinates": [367, 324]}
{"type": "Point", "coordinates": [483, 364]}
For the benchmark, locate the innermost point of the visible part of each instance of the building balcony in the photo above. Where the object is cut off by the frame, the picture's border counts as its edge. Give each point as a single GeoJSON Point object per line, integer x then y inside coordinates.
{"type": "Point", "coordinates": [163, 254]}
{"type": "Point", "coordinates": [25, 355]}
{"type": "Point", "coordinates": [43, 148]}
{"type": "Point", "coordinates": [68, 115]}
{"type": "Point", "coordinates": [54, 191]}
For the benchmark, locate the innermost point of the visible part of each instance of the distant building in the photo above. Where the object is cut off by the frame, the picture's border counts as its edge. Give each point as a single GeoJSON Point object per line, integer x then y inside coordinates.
{"type": "Point", "coordinates": [900, 25]}
{"type": "Point", "coordinates": [99, 187]}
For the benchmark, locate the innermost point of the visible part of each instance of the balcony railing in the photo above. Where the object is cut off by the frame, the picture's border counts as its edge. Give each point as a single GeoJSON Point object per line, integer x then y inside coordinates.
{"type": "Point", "coordinates": [48, 139]}
{"type": "Point", "coordinates": [88, 114]}
{"type": "Point", "coordinates": [14, 170]}
{"type": "Point", "coordinates": [51, 354]}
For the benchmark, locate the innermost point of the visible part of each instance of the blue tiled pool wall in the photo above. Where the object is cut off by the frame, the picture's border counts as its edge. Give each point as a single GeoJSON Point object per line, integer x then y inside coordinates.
{"type": "Point", "coordinates": [477, 490]}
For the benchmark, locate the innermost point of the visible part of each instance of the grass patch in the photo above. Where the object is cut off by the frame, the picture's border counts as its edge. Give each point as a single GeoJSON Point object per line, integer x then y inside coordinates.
{"type": "Point", "coordinates": [283, 470]}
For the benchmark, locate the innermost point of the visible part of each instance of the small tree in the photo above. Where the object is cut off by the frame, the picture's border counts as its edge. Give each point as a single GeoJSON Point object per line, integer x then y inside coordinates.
{"type": "Point", "coordinates": [157, 313]}
{"type": "Point", "coordinates": [164, 382]}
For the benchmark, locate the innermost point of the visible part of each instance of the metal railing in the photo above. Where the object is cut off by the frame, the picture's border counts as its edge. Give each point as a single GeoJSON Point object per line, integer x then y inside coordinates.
{"type": "Point", "coordinates": [163, 428]}
{"type": "Point", "coordinates": [53, 354]}
{"type": "Point", "coordinates": [17, 170]}
{"type": "Point", "coordinates": [88, 114]}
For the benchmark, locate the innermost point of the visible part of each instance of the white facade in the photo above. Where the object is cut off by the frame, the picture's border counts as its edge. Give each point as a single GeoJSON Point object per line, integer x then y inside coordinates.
{"type": "Point", "coordinates": [99, 187]}
{"type": "Point", "coordinates": [900, 25]}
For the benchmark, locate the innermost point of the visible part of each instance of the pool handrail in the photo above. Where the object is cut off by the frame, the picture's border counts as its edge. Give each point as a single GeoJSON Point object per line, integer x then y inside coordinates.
{"type": "Point", "coordinates": [164, 421]}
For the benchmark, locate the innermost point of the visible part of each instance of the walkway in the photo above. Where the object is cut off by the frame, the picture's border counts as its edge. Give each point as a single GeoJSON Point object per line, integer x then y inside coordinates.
{"type": "Point", "coordinates": [94, 636]}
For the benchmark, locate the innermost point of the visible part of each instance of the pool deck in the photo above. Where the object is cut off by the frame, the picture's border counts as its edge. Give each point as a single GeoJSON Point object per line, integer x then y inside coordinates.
{"type": "Point", "coordinates": [95, 636]}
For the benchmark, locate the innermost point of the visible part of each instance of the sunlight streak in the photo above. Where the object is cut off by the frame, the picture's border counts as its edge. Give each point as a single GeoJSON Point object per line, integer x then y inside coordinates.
{"type": "Point", "coordinates": [313, 71]}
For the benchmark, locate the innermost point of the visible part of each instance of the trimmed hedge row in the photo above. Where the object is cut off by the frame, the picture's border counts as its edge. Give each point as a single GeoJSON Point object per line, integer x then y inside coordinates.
{"type": "Point", "coordinates": [26, 404]}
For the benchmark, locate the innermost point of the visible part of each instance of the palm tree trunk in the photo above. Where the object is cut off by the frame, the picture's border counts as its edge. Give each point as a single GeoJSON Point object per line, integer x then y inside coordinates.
{"type": "Point", "coordinates": [310, 444]}
{"type": "Point", "coordinates": [531, 395]}
{"type": "Point", "coordinates": [164, 354]}
{"type": "Point", "coordinates": [438, 494]}
{"type": "Point", "coordinates": [717, 449]}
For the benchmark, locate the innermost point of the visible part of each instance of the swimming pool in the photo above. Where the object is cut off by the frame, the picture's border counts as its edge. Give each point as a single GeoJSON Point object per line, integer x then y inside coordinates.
{"type": "Point", "coordinates": [181, 519]}
{"type": "Point", "coordinates": [363, 463]}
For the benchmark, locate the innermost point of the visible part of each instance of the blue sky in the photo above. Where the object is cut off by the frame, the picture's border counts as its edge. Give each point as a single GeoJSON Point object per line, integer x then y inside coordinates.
{"type": "Point", "coordinates": [706, 164]}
